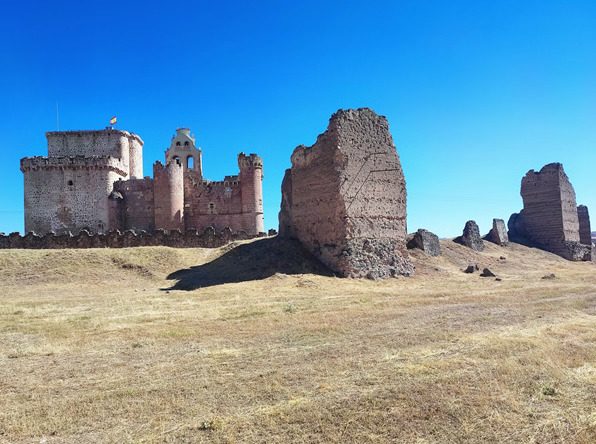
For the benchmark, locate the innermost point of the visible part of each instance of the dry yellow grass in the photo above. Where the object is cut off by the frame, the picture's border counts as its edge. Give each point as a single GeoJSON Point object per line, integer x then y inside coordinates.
{"type": "Point", "coordinates": [92, 349]}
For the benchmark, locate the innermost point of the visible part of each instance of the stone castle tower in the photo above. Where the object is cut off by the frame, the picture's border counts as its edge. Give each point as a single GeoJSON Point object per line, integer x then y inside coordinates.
{"type": "Point", "coordinates": [68, 189]}
{"type": "Point", "coordinates": [93, 180]}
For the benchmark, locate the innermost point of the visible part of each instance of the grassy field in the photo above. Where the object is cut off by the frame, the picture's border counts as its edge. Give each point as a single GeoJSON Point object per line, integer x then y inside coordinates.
{"type": "Point", "coordinates": [158, 344]}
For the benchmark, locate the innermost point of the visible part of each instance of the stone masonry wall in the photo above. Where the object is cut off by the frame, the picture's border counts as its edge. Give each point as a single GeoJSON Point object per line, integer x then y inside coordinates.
{"type": "Point", "coordinates": [216, 204]}
{"type": "Point", "coordinates": [550, 211]}
{"type": "Point", "coordinates": [208, 238]}
{"type": "Point", "coordinates": [251, 179]}
{"type": "Point", "coordinates": [585, 236]}
{"type": "Point", "coordinates": [137, 207]}
{"type": "Point", "coordinates": [68, 197]}
{"type": "Point", "coordinates": [168, 195]}
{"type": "Point", "coordinates": [345, 198]}
{"type": "Point", "coordinates": [115, 143]}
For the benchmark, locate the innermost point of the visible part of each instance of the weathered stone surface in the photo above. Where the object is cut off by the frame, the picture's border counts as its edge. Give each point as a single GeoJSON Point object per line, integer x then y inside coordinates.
{"type": "Point", "coordinates": [517, 229]}
{"type": "Point", "coordinates": [425, 241]}
{"type": "Point", "coordinates": [498, 233]}
{"type": "Point", "coordinates": [585, 236]}
{"type": "Point", "coordinates": [471, 237]}
{"type": "Point", "coordinates": [550, 216]}
{"type": "Point", "coordinates": [345, 198]}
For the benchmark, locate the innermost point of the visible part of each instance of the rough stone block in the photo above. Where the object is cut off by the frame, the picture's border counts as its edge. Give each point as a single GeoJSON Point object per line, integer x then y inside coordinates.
{"type": "Point", "coordinates": [498, 233]}
{"type": "Point", "coordinates": [426, 241]}
{"type": "Point", "coordinates": [471, 236]}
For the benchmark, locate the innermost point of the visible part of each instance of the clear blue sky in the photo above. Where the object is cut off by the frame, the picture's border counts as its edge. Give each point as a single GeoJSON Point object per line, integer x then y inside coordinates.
{"type": "Point", "coordinates": [476, 92]}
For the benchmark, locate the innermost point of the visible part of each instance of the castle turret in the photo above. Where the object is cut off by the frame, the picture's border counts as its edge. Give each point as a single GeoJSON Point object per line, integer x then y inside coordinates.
{"type": "Point", "coordinates": [183, 150]}
{"type": "Point", "coordinates": [168, 195]}
{"type": "Point", "coordinates": [251, 176]}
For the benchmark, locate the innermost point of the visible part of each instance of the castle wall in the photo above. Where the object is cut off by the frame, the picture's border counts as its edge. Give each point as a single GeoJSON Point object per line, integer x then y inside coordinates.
{"type": "Point", "coordinates": [68, 194]}
{"type": "Point", "coordinates": [168, 195]}
{"type": "Point", "coordinates": [345, 198]}
{"type": "Point", "coordinates": [215, 204]}
{"type": "Point", "coordinates": [550, 211]}
{"type": "Point", "coordinates": [136, 208]}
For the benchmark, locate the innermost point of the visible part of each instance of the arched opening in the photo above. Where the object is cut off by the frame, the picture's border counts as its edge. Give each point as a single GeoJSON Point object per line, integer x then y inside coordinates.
{"type": "Point", "coordinates": [186, 143]}
{"type": "Point", "coordinates": [177, 143]}
{"type": "Point", "coordinates": [176, 159]}
{"type": "Point", "coordinates": [190, 162]}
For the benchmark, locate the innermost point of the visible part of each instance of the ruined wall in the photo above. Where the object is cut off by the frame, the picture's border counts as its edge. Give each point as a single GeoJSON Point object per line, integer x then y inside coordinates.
{"type": "Point", "coordinates": [550, 211]}
{"type": "Point", "coordinates": [68, 193]}
{"type": "Point", "coordinates": [585, 236]}
{"type": "Point", "coordinates": [136, 207]}
{"type": "Point", "coordinates": [168, 195]}
{"type": "Point", "coordinates": [347, 198]}
{"type": "Point", "coordinates": [251, 179]}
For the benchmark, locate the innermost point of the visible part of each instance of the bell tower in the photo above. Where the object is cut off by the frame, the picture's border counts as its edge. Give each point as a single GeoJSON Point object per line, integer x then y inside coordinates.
{"type": "Point", "coordinates": [183, 151]}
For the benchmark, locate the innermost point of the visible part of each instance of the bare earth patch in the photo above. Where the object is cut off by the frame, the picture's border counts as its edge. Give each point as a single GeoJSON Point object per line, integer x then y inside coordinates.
{"type": "Point", "coordinates": [100, 346]}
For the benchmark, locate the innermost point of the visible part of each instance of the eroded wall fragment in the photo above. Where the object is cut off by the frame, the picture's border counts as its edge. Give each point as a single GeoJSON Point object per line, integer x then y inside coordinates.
{"type": "Point", "coordinates": [345, 198]}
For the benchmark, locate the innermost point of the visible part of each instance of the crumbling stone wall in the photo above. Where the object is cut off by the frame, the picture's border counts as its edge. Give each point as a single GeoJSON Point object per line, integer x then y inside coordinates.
{"type": "Point", "coordinates": [549, 219]}
{"type": "Point", "coordinates": [585, 235]}
{"type": "Point", "coordinates": [345, 198]}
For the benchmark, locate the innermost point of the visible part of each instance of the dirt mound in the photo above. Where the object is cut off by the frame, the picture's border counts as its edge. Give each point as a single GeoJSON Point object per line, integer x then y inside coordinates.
{"type": "Point", "coordinates": [250, 261]}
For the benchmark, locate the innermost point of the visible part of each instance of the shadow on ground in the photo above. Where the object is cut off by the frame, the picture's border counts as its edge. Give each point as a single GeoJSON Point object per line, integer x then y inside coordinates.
{"type": "Point", "coordinates": [248, 262]}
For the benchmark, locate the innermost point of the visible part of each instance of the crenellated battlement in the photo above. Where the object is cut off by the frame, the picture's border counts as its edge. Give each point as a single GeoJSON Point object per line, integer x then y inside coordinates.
{"type": "Point", "coordinates": [250, 161]}
{"type": "Point", "coordinates": [73, 162]}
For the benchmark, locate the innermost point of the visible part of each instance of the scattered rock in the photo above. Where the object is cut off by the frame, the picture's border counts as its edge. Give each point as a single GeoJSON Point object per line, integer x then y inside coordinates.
{"type": "Point", "coordinates": [487, 273]}
{"type": "Point", "coordinates": [425, 241]}
{"type": "Point", "coordinates": [471, 268]}
{"type": "Point", "coordinates": [498, 233]}
{"type": "Point", "coordinates": [549, 276]}
{"type": "Point", "coordinates": [471, 237]}
{"type": "Point", "coordinates": [498, 279]}
{"type": "Point", "coordinates": [502, 258]}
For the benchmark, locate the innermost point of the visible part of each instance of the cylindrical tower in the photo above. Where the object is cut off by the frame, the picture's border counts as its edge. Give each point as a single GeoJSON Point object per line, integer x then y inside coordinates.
{"type": "Point", "coordinates": [168, 195]}
{"type": "Point", "coordinates": [251, 177]}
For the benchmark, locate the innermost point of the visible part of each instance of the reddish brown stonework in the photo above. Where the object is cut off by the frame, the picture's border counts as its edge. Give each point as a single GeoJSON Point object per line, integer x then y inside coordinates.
{"type": "Point", "coordinates": [92, 180]}
{"type": "Point", "coordinates": [585, 236]}
{"type": "Point", "coordinates": [345, 198]}
{"type": "Point", "coordinates": [549, 219]}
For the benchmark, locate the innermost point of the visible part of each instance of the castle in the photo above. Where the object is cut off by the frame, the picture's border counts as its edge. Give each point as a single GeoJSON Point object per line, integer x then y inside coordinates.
{"type": "Point", "coordinates": [93, 180]}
